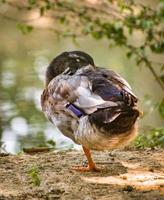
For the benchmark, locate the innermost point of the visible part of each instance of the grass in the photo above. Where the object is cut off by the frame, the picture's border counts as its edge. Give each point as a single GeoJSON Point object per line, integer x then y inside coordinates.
{"type": "Point", "coordinates": [150, 139]}
{"type": "Point", "coordinates": [34, 175]}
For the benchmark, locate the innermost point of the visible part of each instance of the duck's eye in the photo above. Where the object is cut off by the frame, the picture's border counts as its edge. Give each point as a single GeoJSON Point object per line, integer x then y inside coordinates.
{"type": "Point", "coordinates": [78, 60]}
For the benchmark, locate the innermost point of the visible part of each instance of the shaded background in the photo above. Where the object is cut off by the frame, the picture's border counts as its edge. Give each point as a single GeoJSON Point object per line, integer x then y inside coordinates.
{"type": "Point", "coordinates": [23, 61]}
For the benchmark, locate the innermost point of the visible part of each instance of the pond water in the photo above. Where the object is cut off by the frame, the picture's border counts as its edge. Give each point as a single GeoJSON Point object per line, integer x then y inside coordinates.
{"type": "Point", "coordinates": [23, 61]}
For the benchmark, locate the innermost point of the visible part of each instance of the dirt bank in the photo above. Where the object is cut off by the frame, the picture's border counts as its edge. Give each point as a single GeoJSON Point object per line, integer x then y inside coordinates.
{"type": "Point", "coordinates": [125, 175]}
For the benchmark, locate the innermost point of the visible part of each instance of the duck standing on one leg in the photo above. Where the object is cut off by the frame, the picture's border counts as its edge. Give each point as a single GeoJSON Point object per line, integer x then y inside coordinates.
{"type": "Point", "coordinates": [93, 106]}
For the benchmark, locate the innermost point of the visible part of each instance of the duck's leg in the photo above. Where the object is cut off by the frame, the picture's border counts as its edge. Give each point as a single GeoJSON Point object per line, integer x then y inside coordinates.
{"type": "Point", "coordinates": [91, 165]}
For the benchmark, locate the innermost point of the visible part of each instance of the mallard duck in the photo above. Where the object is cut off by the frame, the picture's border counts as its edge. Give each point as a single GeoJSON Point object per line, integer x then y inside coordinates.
{"type": "Point", "coordinates": [93, 106]}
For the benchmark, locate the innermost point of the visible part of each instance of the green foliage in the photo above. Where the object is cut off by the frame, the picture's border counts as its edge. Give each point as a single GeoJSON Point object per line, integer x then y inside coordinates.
{"type": "Point", "coordinates": [150, 139]}
{"type": "Point", "coordinates": [25, 29]}
{"type": "Point", "coordinates": [32, 2]}
{"type": "Point", "coordinates": [114, 21]}
{"type": "Point", "coordinates": [109, 30]}
{"type": "Point", "coordinates": [42, 9]}
{"type": "Point", "coordinates": [51, 143]}
{"type": "Point", "coordinates": [161, 108]}
{"type": "Point", "coordinates": [34, 175]}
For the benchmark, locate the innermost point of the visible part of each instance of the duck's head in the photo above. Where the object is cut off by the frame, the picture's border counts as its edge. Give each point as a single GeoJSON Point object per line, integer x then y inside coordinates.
{"type": "Point", "coordinates": [69, 61]}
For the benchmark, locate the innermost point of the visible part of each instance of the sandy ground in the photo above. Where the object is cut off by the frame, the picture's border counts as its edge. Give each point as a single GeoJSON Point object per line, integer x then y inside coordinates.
{"type": "Point", "coordinates": [125, 175]}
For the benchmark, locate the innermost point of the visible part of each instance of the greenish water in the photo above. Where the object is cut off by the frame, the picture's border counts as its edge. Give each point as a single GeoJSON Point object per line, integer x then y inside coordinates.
{"type": "Point", "coordinates": [23, 61]}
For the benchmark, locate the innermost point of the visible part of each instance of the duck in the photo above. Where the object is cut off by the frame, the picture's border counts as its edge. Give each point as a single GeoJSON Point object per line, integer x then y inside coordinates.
{"type": "Point", "coordinates": [93, 106]}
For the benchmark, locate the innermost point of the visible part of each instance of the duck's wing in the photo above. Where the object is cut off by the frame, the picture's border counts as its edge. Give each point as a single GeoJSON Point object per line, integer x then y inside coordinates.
{"type": "Point", "coordinates": [89, 91]}
{"type": "Point", "coordinates": [117, 80]}
{"type": "Point", "coordinates": [121, 84]}
{"type": "Point", "coordinates": [76, 90]}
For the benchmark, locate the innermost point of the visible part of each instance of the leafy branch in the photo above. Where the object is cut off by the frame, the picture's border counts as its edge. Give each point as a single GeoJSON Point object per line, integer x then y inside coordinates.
{"type": "Point", "coordinates": [118, 21]}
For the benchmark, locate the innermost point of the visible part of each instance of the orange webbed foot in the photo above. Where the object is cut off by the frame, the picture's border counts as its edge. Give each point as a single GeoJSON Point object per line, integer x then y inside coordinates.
{"type": "Point", "coordinates": [91, 165]}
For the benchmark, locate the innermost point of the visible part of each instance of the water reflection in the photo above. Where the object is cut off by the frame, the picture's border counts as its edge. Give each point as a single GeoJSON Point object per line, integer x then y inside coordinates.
{"type": "Point", "coordinates": [23, 60]}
